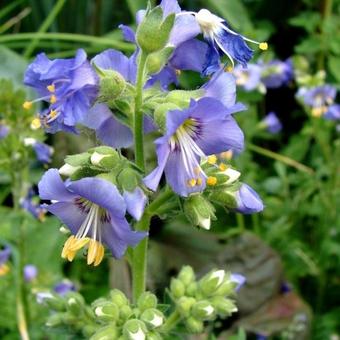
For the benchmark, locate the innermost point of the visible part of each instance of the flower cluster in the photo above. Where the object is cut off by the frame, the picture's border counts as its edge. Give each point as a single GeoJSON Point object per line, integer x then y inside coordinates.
{"type": "Point", "coordinates": [205, 299]}
{"type": "Point", "coordinates": [194, 126]}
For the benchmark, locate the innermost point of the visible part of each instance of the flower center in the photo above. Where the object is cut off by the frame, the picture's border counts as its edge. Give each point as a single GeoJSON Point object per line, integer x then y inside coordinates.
{"type": "Point", "coordinates": [90, 226]}
{"type": "Point", "coordinates": [183, 141]}
{"type": "Point", "coordinates": [207, 21]}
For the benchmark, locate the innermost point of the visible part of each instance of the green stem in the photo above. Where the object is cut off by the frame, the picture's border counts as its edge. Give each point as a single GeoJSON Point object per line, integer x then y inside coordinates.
{"type": "Point", "coordinates": [138, 114]}
{"type": "Point", "coordinates": [44, 26]}
{"type": "Point", "coordinates": [139, 259]}
{"type": "Point", "coordinates": [240, 222]}
{"type": "Point", "coordinates": [326, 12]}
{"type": "Point", "coordinates": [281, 158]}
{"type": "Point", "coordinates": [171, 322]}
{"type": "Point", "coordinates": [325, 149]}
{"type": "Point", "coordinates": [68, 37]}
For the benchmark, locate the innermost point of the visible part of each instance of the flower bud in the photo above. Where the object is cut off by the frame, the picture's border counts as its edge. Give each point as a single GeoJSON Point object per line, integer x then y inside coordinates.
{"type": "Point", "coordinates": [187, 275]}
{"type": "Point", "coordinates": [118, 298]}
{"type": "Point", "coordinates": [192, 289]}
{"type": "Point", "coordinates": [135, 330]}
{"type": "Point", "coordinates": [153, 32]}
{"type": "Point", "coordinates": [78, 160]}
{"type": "Point", "coordinates": [154, 336]}
{"type": "Point", "coordinates": [75, 303]}
{"type": "Point", "coordinates": [125, 312]}
{"type": "Point", "coordinates": [68, 170]}
{"type": "Point", "coordinates": [224, 307]}
{"type": "Point", "coordinates": [224, 197]}
{"type": "Point", "coordinates": [152, 317]}
{"type": "Point", "coordinates": [193, 325]}
{"type": "Point", "coordinates": [107, 312]}
{"type": "Point", "coordinates": [184, 305]}
{"type": "Point", "coordinates": [248, 201]}
{"type": "Point", "coordinates": [182, 98]}
{"type": "Point", "coordinates": [211, 281]}
{"type": "Point", "coordinates": [199, 211]}
{"type": "Point", "coordinates": [128, 179]}
{"type": "Point", "coordinates": [52, 301]}
{"type": "Point", "coordinates": [147, 300]}
{"type": "Point", "coordinates": [203, 310]}
{"type": "Point", "coordinates": [157, 60]}
{"type": "Point", "coordinates": [177, 288]}
{"type": "Point", "coordinates": [107, 332]}
{"type": "Point", "coordinates": [106, 158]}
{"type": "Point", "coordinates": [112, 85]}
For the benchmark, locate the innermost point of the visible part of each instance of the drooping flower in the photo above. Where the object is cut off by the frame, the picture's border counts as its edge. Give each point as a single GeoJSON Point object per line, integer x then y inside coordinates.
{"type": "Point", "coordinates": [318, 98]}
{"type": "Point", "coordinates": [272, 123]}
{"type": "Point", "coordinates": [248, 201]}
{"type": "Point", "coordinates": [4, 130]}
{"type": "Point", "coordinates": [203, 129]}
{"type": "Point", "coordinates": [30, 272]}
{"type": "Point", "coordinates": [69, 86]}
{"type": "Point", "coordinates": [94, 211]}
{"type": "Point", "coordinates": [5, 253]}
{"type": "Point", "coordinates": [34, 208]}
{"type": "Point", "coordinates": [276, 73]}
{"type": "Point", "coordinates": [42, 151]}
{"type": "Point", "coordinates": [109, 130]}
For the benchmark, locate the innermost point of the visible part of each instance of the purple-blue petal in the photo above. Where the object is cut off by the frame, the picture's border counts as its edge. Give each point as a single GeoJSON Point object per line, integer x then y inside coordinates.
{"type": "Point", "coordinates": [248, 201]}
{"type": "Point", "coordinates": [51, 187]}
{"type": "Point", "coordinates": [239, 279]}
{"type": "Point", "coordinates": [128, 33]}
{"type": "Point", "coordinates": [30, 272]}
{"type": "Point", "coordinates": [135, 202]}
{"type": "Point", "coordinates": [5, 254]}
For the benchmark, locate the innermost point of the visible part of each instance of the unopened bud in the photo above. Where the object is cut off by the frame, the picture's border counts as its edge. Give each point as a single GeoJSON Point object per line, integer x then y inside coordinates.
{"type": "Point", "coordinates": [193, 325]}
{"type": "Point", "coordinates": [106, 333]}
{"type": "Point", "coordinates": [177, 288]}
{"type": "Point", "coordinates": [187, 275]}
{"type": "Point", "coordinates": [203, 310]}
{"type": "Point", "coordinates": [211, 282]}
{"type": "Point", "coordinates": [157, 60]}
{"type": "Point", "coordinates": [54, 320]}
{"type": "Point", "coordinates": [147, 300]}
{"type": "Point", "coordinates": [224, 307]}
{"type": "Point", "coordinates": [135, 330]}
{"type": "Point", "coordinates": [184, 305]}
{"type": "Point", "coordinates": [125, 312]}
{"type": "Point", "coordinates": [112, 85]}
{"type": "Point", "coordinates": [118, 298]}
{"type": "Point", "coordinates": [152, 317]}
{"type": "Point", "coordinates": [191, 289]}
{"type": "Point", "coordinates": [107, 312]}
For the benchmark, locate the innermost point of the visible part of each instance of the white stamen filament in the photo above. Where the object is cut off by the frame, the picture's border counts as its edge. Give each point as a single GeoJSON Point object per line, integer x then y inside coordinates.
{"type": "Point", "coordinates": [90, 220]}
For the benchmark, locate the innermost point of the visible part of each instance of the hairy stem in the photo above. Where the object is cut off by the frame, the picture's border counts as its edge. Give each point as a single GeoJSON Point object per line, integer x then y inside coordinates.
{"type": "Point", "coordinates": [171, 322]}
{"type": "Point", "coordinates": [138, 114]}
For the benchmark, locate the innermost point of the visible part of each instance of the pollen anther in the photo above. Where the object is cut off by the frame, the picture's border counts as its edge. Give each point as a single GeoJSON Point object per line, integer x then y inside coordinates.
{"type": "Point", "coordinates": [27, 105]}
{"type": "Point", "coordinates": [51, 88]}
{"type": "Point", "coordinates": [263, 46]}
{"type": "Point", "coordinates": [223, 167]}
{"type": "Point", "coordinates": [53, 99]}
{"type": "Point", "coordinates": [35, 124]}
{"type": "Point", "coordinates": [192, 182]}
{"type": "Point", "coordinates": [212, 159]}
{"type": "Point", "coordinates": [211, 180]}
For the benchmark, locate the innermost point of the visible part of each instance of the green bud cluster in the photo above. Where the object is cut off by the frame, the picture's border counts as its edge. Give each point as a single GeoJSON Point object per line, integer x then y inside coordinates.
{"type": "Point", "coordinates": [70, 310]}
{"type": "Point", "coordinates": [103, 162]}
{"type": "Point", "coordinates": [107, 318]}
{"type": "Point", "coordinates": [198, 301]}
{"type": "Point", "coordinates": [118, 319]}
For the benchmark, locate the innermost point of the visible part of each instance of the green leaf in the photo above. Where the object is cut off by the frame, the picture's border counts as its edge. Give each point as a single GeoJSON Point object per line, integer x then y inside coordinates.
{"type": "Point", "coordinates": [334, 67]}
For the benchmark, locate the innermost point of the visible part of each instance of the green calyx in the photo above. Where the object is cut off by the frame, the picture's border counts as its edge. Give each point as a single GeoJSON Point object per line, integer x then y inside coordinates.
{"type": "Point", "coordinates": [153, 32]}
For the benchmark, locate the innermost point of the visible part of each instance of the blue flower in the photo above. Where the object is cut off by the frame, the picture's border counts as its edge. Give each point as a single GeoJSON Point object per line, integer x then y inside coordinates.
{"type": "Point", "coordinates": [30, 272]}
{"type": "Point", "coordinates": [272, 123]}
{"type": "Point", "coordinates": [4, 130]}
{"type": "Point", "coordinates": [203, 129]}
{"type": "Point", "coordinates": [333, 112]}
{"type": "Point", "coordinates": [249, 78]}
{"type": "Point", "coordinates": [42, 151]}
{"type": "Point", "coordinates": [5, 253]}
{"type": "Point", "coordinates": [248, 201]}
{"type": "Point", "coordinates": [69, 86]}
{"type": "Point", "coordinates": [32, 207]}
{"type": "Point", "coordinates": [94, 211]}
{"type": "Point", "coordinates": [135, 201]}
{"type": "Point", "coordinates": [64, 287]}
{"type": "Point", "coordinates": [318, 98]}
{"type": "Point", "coordinates": [239, 279]}
{"type": "Point", "coordinates": [277, 73]}
{"type": "Point", "coordinates": [109, 130]}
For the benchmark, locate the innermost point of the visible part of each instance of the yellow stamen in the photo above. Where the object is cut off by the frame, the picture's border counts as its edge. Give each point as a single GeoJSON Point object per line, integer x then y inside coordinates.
{"type": "Point", "coordinates": [100, 255]}
{"type": "Point", "coordinates": [66, 247]}
{"type": "Point", "coordinates": [211, 180]}
{"type": "Point", "coordinates": [35, 124]}
{"type": "Point", "coordinates": [53, 99]}
{"type": "Point", "coordinates": [319, 111]}
{"type": "Point", "coordinates": [199, 181]}
{"type": "Point", "coordinates": [228, 155]}
{"type": "Point", "coordinates": [27, 105]}
{"type": "Point", "coordinates": [53, 113]}
{"type": "Point", "coordinates": [212, 159]}
{"type": "Point", "coordinates": [178, 72]}
{"type": "Point", "coordinates": [41, 216]}
{"type": "Point", "coordinates": [263, 46]}
{"type": "Point", "coordinates": [192, 182]}
{"type": "Point", "coordinates": [51, 88]}
{"type": "Point", "coordinates": [92, 251]}
{"type": "Point", "coordinates": [4, 269]}
{"type": "Point", "coordinates": [223, 167]}
{"type": "Point", "coordinates": [78, 243]}
{"type": "Point", "coordinates": [229, 69]}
